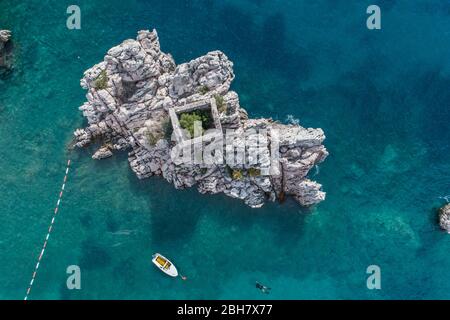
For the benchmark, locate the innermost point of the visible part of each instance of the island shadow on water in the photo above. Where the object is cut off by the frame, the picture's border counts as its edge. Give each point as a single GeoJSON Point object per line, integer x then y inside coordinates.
{"type": "Point", "coordinates": [175, 213]}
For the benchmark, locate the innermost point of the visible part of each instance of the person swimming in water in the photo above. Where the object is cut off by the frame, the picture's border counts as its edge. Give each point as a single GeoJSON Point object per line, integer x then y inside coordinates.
{"type": "Point", "coordinates": [263, 288]}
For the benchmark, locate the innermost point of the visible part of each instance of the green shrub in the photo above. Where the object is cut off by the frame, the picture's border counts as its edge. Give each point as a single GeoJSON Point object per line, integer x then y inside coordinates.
{"type": "Point", "coordinates": [188, 119]}
{"type": "Point", "coordinates": [207, 120]}
{"type": "Point", "coordinates": [203, 90]}
{"type": "Point", "coordinates": [153, 138]}
{"type": "Point", "coordinates": [102, 81]}
{"type": "Point", "coordinates": [220, 103]}
{"type": "Point", "coordinates": [237, 174]}
{"type": "Point", "coordinates": [253, 172]}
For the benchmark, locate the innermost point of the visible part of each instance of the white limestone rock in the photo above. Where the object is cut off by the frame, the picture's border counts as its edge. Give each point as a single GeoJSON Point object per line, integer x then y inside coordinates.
{"type": "Point", "coordinates": [102, 153]}
{"type": "Point", "coordinates": [5, 35]}
{"type": "Point", "coordinates": [444, 217]}
{"type": "Point", "coordinates": [308, 193]}
{"type": "Point", "coordinates": [5, 51]}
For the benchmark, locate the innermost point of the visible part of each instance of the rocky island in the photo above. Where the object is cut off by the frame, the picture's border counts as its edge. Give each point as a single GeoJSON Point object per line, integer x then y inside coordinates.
{"type": "Point", "coordinates": [5, 48]}
{"type": "Point", "coordinates": [182, 122]}
{"type": "Point", "coordinates": [444, 217]}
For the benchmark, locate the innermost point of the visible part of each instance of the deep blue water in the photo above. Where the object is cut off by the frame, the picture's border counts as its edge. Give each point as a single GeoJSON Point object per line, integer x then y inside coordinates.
{"type": "Point", "coordinates": [382, 98]}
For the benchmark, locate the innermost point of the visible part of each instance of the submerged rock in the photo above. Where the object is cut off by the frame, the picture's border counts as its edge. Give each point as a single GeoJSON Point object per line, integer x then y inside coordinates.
{"type": "Point", "coordinates": [139, 100]}
{"type": "Point", "coordinates": [444, 217]}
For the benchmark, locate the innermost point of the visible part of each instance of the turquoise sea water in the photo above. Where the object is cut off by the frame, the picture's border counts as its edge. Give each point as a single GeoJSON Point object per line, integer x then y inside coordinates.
{"type": "Point", "coordinates": [382, 98]}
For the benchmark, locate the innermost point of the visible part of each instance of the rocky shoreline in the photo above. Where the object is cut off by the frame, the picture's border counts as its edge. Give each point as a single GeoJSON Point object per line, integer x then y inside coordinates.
{"type": "Point", "coordinates": [139, 100]}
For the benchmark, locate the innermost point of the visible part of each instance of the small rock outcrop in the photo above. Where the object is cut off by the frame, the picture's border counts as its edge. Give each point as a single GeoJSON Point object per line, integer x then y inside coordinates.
{"type": "Point", "coordinates": [444, 217]}
{"type": "Point", "coordinates": [139, 100]}
{"type": "Point", "coordinates": [102, 153]}
{"type": "Point", "coordinates": [5, 48]}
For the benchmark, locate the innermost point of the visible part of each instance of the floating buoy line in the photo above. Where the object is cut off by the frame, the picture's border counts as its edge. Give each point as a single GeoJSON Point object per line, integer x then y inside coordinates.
{"type": "Point", "coordinates": [50, 228]}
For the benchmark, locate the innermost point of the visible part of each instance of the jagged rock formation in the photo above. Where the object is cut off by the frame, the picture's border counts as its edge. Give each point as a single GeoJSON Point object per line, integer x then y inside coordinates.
{"type": "Point", "coordinates": [444, 217]}
{"type": "Point", "coordinates": [5, 36]}
{"type": "Point", "coordinates": [136, 96]}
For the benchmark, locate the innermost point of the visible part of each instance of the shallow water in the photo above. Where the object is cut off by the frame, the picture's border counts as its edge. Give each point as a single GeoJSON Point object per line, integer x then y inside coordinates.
{"type": "Point", "coordinates": [382, 98]}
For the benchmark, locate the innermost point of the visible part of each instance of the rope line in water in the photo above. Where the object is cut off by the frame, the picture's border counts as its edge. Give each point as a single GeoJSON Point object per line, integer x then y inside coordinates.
{"type": "Point", "coordinates": [50, 228]}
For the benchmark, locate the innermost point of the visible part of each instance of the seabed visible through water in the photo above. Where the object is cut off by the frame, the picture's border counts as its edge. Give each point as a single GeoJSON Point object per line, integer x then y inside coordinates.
{"type": "Point", "coordinates": [381, 97]}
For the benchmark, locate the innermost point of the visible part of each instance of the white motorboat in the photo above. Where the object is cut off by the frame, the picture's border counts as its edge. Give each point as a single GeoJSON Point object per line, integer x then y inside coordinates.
{"type": "Point", "coordinates": [164, 265]}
